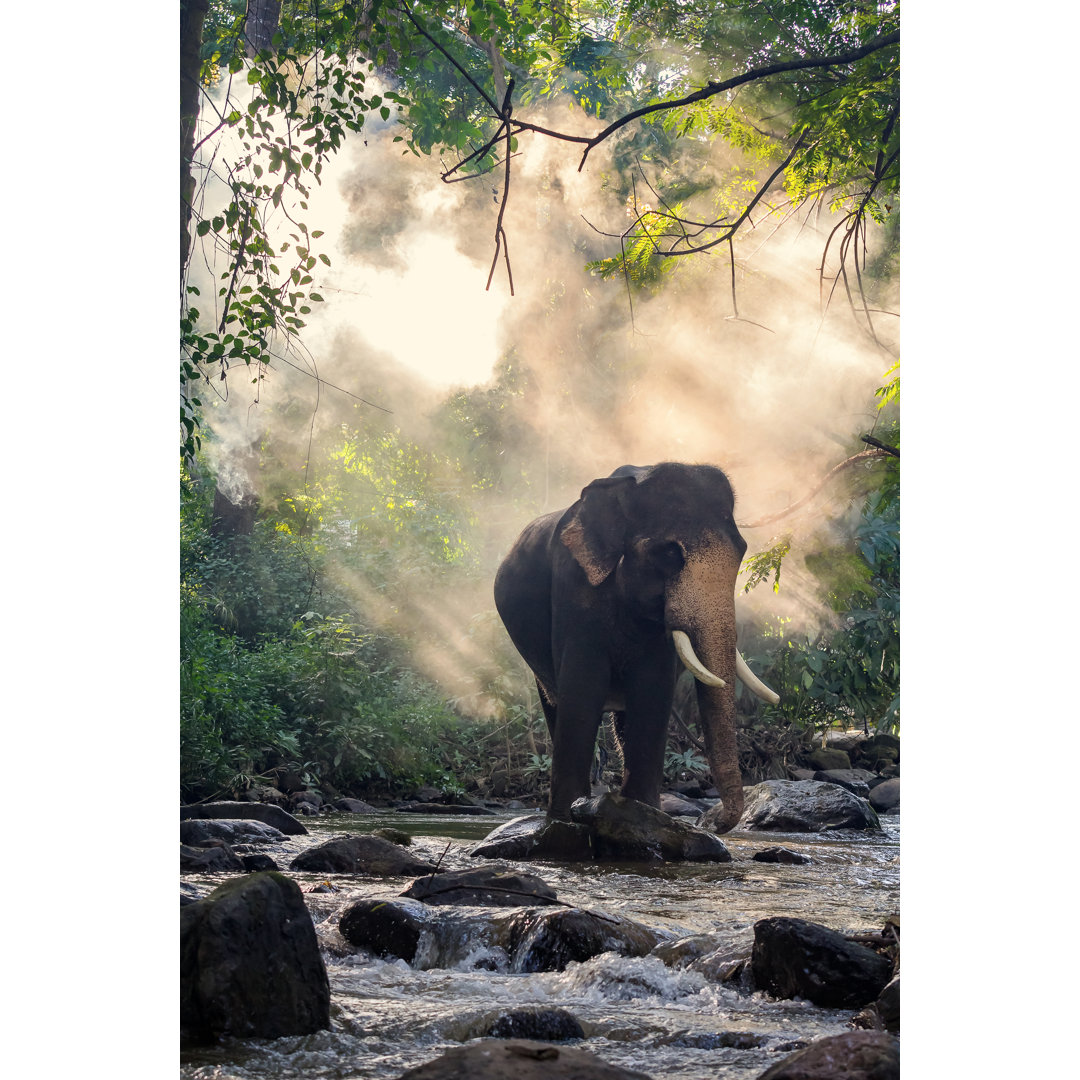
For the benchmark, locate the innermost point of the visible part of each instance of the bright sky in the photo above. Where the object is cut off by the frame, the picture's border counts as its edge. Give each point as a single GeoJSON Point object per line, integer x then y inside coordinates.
{"type": "Point", "coordinates": [435, 317]}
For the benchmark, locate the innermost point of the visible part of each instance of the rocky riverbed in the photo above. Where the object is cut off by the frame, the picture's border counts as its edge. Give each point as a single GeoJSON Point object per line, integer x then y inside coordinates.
{"type": "Point", "coordinates": [438, 932]}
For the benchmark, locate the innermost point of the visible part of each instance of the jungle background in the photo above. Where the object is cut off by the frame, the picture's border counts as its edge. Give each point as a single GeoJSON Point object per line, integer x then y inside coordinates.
{"type": "Point", "coordinates": [346, 495]}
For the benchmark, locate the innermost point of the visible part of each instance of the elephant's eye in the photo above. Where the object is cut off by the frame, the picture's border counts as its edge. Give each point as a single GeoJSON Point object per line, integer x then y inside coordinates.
{"type": "Point", "coordinates": [667, 556]}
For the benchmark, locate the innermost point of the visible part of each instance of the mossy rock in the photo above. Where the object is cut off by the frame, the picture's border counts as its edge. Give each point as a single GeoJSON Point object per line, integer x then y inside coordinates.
{"type": "Point", "coordinates": [823, 759]}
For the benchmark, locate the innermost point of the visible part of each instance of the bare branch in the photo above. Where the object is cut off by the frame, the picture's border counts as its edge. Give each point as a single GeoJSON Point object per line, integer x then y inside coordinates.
{"type": "Point", "coordinates": [855, 459]}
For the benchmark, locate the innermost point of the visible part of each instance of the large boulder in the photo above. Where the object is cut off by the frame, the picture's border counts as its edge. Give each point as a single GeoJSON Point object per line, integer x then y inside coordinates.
{"type": "Point", "coordinates": [796, 958]}
{"type": "Point", "coordinates": [549, 939]}
{"type": "Point", "coordinates": [198, 831]}
{"type": "Point", "coordinates": [361, 855]}
{"type": "Point", "coordinates": [853, 1055]}
{"type": "Point", "coordinates": [250, 965]}
{"type": "Point", "coordinates": [486, 886]}
{"type": "Point", "coordinates": [387, 929]}
{"type": "Point", "coordinates": [527, 940]}
{"type": "Point", "coordinates": [271, 815]}
{"type": "Point", "coordinates": [533, 836]}
{"type": "Point", "coordinates": [494, 1059]}
{"type": "Point", "coordinates": [218, 858]}
{"type": "Point", "coordinates": [801, 806]}
{"type": "Point", "coordinates": [624, 828]}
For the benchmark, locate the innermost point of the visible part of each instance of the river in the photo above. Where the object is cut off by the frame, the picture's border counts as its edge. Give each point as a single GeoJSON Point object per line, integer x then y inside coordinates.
{"type": "Point", "coordinates": [671, 1023]}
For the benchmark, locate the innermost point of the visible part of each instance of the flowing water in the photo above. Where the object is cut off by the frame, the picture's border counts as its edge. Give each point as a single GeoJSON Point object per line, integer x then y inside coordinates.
{"type": "Point", "coordinates": [670, 1022]}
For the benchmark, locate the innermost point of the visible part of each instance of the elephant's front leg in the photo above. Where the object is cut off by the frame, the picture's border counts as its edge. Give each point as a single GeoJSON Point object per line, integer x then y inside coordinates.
{"type": "Point", "coordinates": [583, 688]}
{"type": "Point", "coordinates": [649, 693]}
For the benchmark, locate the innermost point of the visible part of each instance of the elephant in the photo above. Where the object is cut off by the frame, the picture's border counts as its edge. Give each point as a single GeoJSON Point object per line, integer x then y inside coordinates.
{"type": "Point", "coordinates": [605, 598]}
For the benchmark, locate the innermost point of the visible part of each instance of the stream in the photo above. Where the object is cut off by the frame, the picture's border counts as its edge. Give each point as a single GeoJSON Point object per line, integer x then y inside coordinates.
{"type": "Point", "coordinates": [672, 1023]}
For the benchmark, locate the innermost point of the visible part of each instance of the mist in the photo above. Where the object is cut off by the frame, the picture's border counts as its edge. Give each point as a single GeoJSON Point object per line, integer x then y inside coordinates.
{"type": "Point", "coordinates": [774, 396]}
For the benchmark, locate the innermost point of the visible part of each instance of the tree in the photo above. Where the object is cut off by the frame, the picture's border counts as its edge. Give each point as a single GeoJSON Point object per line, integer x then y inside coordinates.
{"type": "Point", "coordinates": [806, 90]}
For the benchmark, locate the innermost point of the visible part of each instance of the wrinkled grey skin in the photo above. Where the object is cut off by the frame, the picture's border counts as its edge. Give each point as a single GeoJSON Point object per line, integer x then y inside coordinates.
{"type": "Point", "coordinates": [590, 596]}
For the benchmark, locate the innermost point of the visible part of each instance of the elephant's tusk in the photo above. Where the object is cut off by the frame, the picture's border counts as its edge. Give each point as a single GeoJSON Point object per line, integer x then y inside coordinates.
{"type": "Point", "coordinates": [691, 662]}
{"type": "Point", "coordinates": [753, 683]}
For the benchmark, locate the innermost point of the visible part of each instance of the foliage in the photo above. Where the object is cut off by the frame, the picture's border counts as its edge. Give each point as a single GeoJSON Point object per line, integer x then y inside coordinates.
{"type": "Point", "coordinates": [805, 132]}
{"type": "Point", "coordinates": [758, 567]}
{"type": "Point", "coordinates": [850, 671]}
{"type": "Point", "coordinates": [270, 683]}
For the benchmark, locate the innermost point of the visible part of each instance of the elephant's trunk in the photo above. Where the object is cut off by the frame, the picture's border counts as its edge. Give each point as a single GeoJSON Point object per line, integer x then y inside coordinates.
{"type": "Point", "coordinates": [700, 609]}
{"type": "Point", "coordinates": [716, 705]}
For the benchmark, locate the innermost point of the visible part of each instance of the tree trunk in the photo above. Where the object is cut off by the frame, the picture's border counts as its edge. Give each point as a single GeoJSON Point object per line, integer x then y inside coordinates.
{"type": "Point", "coordinates": [261, 25]}
{"type": "Point", "coordinates": [192, 15]}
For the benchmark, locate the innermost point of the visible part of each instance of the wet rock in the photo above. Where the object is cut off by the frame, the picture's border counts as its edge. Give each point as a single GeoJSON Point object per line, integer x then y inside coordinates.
{"type": "Point", "coordinates": [682, 951]}
{"type": "Point", "coordinates": [271, 815]}
{"type": "Point", "coordinates": [627, 829]}
{"type": "Point", "coordinates": [727, 964]}
{"type": "Point", "coordinates": [802, 806]}
{"type": "Point", "coordinates": [679, 806]}
{"type": "Point", "coordinates": [546, 1025]}
{"type": "Point", "coordinates": [198, 831]}
{"type": "Point", "coordinates": [854, 1055]}
{"type": "Point", "coordinates": [886, 795]}
{"type": "Point", "coordinates": [857, 781]}
{"type": "Point", "coordinates": [608, 826]}
{"type": "Point", "coordinates": [533, 836]}
{"type": "Point", "coordinates": [549, 940]}
{"type": "Point", "coordinates": [825, 758]}
{"type": "Point", "coordinates": [888, 1006]}
{"type": "Point", "coordinates": [446, 808]}
{"type": "Point", "coordinates": [189, 893]}
{"type": "Point", "coordinates": [387, 929]}
{"type": "Point", "coordinates": [250, 965]}
{"type": "Point", "coordinates": [796, 958]}
{"type": "Point", "coordinates": [308, 796]}
{"type": "Point", "coordinates": [219, 858]}
{"type": "Point", "coordinates": [483, 887]}
{"type": "Point", "coordinates": [527, 940]}
{"type": "Point", "coordinates": [883, 1014]}
{"type": "Point", "coordinates": [491, 1059]}
{"type": "Point", "coordinates": [361, 855]}
{"type": "Point", "coordinates": [564, 841]}
{"type": "Point", "coordinates": [256, 863]}
{"type": "Point", "coordinates": [354, 806]}
{"type": "Point", "coordinates": [781, 855]}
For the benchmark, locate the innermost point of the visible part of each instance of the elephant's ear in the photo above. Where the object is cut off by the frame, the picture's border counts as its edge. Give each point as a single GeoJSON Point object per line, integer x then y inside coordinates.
{"type": "Point", "coordinates": [596, 531]}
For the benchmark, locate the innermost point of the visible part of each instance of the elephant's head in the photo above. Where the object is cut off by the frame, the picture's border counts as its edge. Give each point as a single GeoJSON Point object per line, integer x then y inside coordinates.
{"type": "Point", "coordinates": [668, 536]}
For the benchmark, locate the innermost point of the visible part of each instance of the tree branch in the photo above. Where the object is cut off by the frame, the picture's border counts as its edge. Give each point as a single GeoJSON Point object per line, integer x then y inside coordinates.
{"type": "Point", "coordinates": [711, 89]}
{"type": "Point", "coordinates": [855, 459]}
